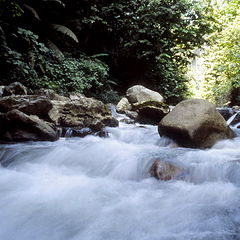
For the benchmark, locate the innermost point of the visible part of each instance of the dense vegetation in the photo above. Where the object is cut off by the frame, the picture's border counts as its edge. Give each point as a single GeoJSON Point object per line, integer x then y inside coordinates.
{"type": "Point", "coordinates": [222, 56]}
{"type": "Point", "coordinates": [102, 47]}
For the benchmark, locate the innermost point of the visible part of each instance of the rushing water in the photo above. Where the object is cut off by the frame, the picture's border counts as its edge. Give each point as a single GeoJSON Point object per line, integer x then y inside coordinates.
{"type": "Point", "coordinates": [100, 189]}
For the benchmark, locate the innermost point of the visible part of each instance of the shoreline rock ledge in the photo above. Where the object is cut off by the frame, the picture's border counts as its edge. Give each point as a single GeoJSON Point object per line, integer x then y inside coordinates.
{"type": "Point", "coordinates": [47, 116]}
{"type": "Point", "coordinates": [195, 123]}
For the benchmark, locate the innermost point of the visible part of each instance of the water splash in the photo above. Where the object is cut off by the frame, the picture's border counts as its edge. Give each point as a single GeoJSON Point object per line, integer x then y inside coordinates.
{"type": "Point", "coordinates": [100, 189]}
{"type": "Point", "coordinates": [231, 119]}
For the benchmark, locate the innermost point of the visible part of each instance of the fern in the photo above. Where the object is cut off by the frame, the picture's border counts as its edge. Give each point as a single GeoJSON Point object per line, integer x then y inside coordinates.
{"type": "Point", "coordinates": [65, 31]}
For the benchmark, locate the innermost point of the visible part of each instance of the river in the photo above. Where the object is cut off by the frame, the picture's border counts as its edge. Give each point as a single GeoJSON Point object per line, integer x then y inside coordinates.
{"type": "Point", "coordinates": [96, 188]}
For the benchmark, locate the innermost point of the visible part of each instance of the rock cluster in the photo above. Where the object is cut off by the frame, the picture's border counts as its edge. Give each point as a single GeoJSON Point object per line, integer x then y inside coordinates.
{"type": "Point", "coordinates": [46, 115]}
{"type": "Point", "coordinates": [143, 105]}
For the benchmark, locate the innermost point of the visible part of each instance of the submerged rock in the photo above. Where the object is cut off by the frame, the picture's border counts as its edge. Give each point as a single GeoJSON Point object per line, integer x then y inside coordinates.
{"type": "Point", "coordinates": [18, 126]}
{"type": "Point", "coordinates": [164, 171]}
{"type": "Point", "coordinates": [76, 132]}
{"type": "Point", "coordinates": [195, 123]}
{"type": "Point", "coordinates": [127, 121]}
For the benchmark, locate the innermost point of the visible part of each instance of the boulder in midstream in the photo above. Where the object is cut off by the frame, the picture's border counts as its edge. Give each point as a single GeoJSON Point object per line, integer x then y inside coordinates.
{"type": "Point", "coordinates": [195, 123]}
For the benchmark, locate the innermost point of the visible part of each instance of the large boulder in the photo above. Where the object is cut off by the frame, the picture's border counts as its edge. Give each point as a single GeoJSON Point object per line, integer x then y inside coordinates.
{"type": "Point", "coordinates": [84, 112]}
{"type": "Point", "coordinates": [17, 126]}
{"type": "Point", "coordinates": [195, 123]}
{"type": "Point", "coordinates": [147, 104]}
{"type": "Point", "coordinates": [139, 94]}
{"type": "Point", "coordinates": [164, 171]}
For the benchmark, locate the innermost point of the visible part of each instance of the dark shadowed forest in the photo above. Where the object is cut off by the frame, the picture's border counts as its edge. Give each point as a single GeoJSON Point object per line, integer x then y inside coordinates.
{"type": "Point", "coordinates": [101, 48]}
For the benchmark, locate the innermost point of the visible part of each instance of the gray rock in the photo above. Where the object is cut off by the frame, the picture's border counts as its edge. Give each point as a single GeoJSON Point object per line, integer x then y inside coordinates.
{"type": "Point", "coordinates": [195, 123]}
{"type": "Point", "coordinates": [84, 112]}
{"type": "Point", "coordinates": [123, 105]}
{"type": "Point", "coordinates": [139, 94]}
{"type": "Point", "coordinates": [75, 96]}
{"type": "Point", "coordinates": [29, 104]}
{"type": "Point", "coordinates": [131, 114]}
{"type": "Point", "coordinates": [51, 94]}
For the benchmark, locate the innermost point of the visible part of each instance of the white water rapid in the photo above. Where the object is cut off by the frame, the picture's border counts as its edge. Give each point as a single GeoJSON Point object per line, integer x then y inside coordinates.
{"type": "Point", "coordinates": [100, 189]}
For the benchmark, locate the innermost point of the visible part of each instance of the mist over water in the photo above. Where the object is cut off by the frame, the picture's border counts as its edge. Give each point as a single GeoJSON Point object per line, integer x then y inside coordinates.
{"type": "Point", "coordinates": [100, 189]}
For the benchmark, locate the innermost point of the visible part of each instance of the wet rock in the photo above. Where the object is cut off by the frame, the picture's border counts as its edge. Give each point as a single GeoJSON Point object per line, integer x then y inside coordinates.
{"type": "Point", "coordinates": [150, 112]}
{"type": "Point", "coordinates": [195, 123]}
{"type": "Point", "coordinates": [164, 171]}
{"type": "Point", "coordinates": [102, 133]}
{"type": "Point", "coordinates": [17, 126]}
{"type": "Point", "coordinates": [110, 121]}
{"type": "Point", "coordinates": [82, 132]}
{"type": "Point", "coordinates": [127, 121]}
{"type": "Point", "coordinates": [76, 132]}
{"type": "Point", "coordinates": [236, 119]}
{"type": "Point", "coordinates": [1, 90]}
{"type": "Point", "coordinates": [139, 94]}
{"type": "Point", "coordinates": [131, 114]}
{"type": "Point", "coordinates": [123, 105]}
{"type": "Point", "coordinates": [226, 112]}
{"type": "Point", "coordinates": [15, 88]}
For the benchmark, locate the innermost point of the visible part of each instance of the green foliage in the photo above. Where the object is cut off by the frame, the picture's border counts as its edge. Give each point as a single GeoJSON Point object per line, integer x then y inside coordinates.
{"type": "Point", "coordinates": [223, 57]}
{"type": "Point", "coordinates": [38, 67]}
{"type": "Point", "coordinates": [10, 9]}
{"type": "Point", "coordinates": [108, 95]}
{"type": "Point", "coordinates": [148, 42]}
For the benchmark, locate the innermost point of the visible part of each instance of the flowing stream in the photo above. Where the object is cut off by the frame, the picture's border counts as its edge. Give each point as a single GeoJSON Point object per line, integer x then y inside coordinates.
{"type": "Point", "coordinates": [100, 189]}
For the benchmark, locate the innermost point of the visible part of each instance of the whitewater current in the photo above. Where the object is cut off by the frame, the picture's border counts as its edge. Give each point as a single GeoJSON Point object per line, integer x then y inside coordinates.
{"type": "Point", "coordinates": [96, 188]}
